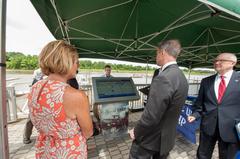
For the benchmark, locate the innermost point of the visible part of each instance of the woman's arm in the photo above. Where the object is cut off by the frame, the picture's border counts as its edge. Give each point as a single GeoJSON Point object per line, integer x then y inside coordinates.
{"type": "Point", "coordinates": [77, 107]}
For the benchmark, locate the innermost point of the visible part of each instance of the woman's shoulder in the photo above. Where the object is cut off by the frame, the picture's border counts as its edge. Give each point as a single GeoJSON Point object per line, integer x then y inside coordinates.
{"type": "Point", "coordinates": [74, 94]}
{"type": "Point", "coordinates": [74, 99]}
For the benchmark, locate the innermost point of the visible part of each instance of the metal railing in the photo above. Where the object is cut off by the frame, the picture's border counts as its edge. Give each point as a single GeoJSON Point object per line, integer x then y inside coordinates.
{"type": "Point", "coordinates": [139, 104]}
{"type": "Point", "coordinates": [11, 104]}
{"type": "Point", "coordinates": [133, 105]}
{"type": "Point", "coordinates": [12, 107]}
{"type": "Point", "coordinates": [193, 89]}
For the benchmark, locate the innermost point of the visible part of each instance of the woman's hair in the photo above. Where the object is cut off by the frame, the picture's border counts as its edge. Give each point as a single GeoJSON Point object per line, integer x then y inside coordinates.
{"type": "Point", "coordinates": [57, 57]}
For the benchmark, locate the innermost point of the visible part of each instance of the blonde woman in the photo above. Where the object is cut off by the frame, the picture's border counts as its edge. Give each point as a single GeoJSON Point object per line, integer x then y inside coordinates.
{"type": "Point", "coordinates": [59, 112]}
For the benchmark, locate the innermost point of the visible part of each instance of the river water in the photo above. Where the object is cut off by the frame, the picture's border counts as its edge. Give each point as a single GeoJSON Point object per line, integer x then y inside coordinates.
{"type": "Point", "coordinates": [22, 82]}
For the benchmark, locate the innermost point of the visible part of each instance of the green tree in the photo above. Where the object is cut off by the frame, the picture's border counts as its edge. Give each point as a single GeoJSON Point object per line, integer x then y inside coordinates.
{"type": "Point", "coordinates": [16, 60]}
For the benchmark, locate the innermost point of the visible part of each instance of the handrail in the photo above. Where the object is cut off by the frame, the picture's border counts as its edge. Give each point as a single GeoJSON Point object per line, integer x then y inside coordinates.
{"type": "Point", "coordinates": [12, 94]}
{"type": "Point", "coordinates": [133, 105]}
{"type": "Point", "coordinates": [138, 104]}
{"type": "Point", "coordinates": [11, 104]}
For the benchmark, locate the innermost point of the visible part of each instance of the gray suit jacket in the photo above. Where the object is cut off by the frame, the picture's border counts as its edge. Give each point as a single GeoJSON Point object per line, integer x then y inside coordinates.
{"type": "Point", "coordinates": [226, 112]}
{"type": "Point", "coordinates": [156, 129]}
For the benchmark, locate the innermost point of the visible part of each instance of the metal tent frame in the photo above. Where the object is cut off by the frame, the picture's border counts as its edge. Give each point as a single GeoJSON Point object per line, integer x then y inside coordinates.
{"type": "Point", "coordinates": [212, 31]}
{"type": "Point", "coordinates": [138, 48]}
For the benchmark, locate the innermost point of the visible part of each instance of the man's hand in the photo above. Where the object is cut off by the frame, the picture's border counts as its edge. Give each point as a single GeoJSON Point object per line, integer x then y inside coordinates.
{"type": "Point", "coordinates": [191, 119]}
{"type": "Point", "coordinates": [131, 133]}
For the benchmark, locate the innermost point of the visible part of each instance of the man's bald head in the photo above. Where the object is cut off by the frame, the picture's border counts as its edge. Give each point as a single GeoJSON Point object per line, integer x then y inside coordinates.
{"type": "Point", "coordinates": [225, 62]}
{"type": "Point", "coordinates": [229, 56]}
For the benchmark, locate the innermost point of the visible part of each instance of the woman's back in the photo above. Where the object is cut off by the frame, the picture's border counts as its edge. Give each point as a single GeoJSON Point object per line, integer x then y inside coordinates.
{"type": "Point", "coordinates": [59, 136]}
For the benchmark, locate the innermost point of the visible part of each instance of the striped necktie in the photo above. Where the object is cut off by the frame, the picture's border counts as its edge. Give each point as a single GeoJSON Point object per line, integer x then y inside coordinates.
{"type": "Point", "coordinates": [221, 89]}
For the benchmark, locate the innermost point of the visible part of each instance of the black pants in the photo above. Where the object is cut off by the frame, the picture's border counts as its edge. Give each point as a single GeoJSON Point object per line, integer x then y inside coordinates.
{"type": "Point", "coordinates": [207, 144]}
{"type": "Point", "coordinates": [28, 129]}
{"type": "Point", "coordinates": [138, 152]}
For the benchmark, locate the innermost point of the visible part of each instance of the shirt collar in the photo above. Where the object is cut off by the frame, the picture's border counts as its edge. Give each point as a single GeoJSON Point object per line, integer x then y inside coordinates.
{"type": "Point", "coordinates": [168, 64]}
{"type": "Point", "coordinates": [227, 74]}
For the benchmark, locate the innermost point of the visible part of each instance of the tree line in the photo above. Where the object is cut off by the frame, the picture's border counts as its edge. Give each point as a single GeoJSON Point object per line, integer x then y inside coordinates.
{"type": "Point", "coordinates": [17, 60]}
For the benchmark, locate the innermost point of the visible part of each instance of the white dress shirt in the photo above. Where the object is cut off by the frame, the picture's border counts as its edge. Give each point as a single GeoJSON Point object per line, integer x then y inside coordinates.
{"type": "Point", "coordinates": [227, 76]}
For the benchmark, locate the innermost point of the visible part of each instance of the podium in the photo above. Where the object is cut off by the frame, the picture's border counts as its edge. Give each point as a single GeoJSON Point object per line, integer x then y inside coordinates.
{"type": "Point", "coordinates": [111, 96]}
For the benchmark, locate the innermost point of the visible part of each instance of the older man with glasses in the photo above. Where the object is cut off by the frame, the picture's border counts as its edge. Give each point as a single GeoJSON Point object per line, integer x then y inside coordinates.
{"type": "Point", "coordinates": [218, 104]}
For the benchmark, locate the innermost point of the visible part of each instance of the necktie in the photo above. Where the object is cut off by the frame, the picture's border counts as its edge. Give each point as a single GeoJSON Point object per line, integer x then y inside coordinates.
{"type": "Point", "coordinates": [221, 89]}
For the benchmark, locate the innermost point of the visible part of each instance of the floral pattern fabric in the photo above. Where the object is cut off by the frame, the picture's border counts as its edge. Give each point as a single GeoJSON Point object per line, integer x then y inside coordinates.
{"type": "Point", "coordinates": [59, 137]}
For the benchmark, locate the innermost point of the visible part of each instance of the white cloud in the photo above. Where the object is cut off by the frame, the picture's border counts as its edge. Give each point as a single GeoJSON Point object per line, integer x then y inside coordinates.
{"type": "Point", "coordinates": [13, 24]}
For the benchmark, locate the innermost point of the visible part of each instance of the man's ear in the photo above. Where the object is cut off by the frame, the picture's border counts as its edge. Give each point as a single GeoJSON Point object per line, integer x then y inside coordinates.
{"type": "Point", "coordinates": [234, 63]}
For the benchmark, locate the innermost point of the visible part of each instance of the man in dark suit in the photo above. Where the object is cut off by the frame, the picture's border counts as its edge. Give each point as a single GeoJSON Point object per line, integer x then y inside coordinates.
{"type": "Point", "coordinates": [218, 106]}
{"type": "Point", "coordinates": [154, 134]}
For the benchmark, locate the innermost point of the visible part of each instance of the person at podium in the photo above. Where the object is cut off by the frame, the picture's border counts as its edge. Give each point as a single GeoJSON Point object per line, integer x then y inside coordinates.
{"type": "Point", "coordinates": [107, 71]}
{"type": "Point", "coordinates": [107, 74]}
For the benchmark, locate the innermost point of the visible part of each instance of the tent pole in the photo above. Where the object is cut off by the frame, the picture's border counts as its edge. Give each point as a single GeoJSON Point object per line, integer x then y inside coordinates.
{"type": "Point", "coordinates": [4, 149]}
{"type": "Point", "coordinates": [147, 71]}
{"type": "Point", "coordinates": [189, 72]}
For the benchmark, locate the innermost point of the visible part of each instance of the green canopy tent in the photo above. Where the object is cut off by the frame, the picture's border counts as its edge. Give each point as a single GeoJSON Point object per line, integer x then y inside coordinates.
{"type": "Point", "coordinates": [129, 29]}
{"type": "Point", "coordinates": [232, 7]}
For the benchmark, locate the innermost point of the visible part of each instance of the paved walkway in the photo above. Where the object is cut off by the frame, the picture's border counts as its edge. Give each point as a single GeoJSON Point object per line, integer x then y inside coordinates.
{"type": "Point", "coordinates": [98, 147]}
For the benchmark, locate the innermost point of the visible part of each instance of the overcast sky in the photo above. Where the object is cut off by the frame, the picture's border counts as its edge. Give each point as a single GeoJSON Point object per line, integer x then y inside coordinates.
{"type": "Point", "coordinates": [26, 32]}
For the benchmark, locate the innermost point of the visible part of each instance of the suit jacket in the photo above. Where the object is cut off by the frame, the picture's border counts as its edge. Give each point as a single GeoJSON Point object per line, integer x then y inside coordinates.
{"type": "Point", "coordinates": [73, 83]}
{"type": "Point", "coordinates": [145, 90]}
{"type": "Point", "coordinates": [225, 113]}
{"type": "Point", "coordinates": [156, 129]}
{"type": "Point", "coordinates": [156, 73]}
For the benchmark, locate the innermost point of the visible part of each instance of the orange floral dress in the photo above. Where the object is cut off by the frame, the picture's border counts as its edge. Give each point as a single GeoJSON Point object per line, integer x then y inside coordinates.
{"type": "Point", "coordinates": [59, 136]}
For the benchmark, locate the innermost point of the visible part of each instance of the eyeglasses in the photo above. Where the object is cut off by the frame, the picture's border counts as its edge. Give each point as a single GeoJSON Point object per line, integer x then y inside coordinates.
{"type": "Point", "coordinates": [222, 60]}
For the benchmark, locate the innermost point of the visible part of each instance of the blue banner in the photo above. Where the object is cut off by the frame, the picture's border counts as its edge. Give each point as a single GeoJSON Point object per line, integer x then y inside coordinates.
{"type": "Point", "coordinates": [188, 130]}
{"type": "Point", "coordinates": [237, 155]}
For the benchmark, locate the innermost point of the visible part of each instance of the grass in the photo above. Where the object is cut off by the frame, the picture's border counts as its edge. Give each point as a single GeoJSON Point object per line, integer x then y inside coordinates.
{"type": "Point", "coordinates": [19, 71]}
